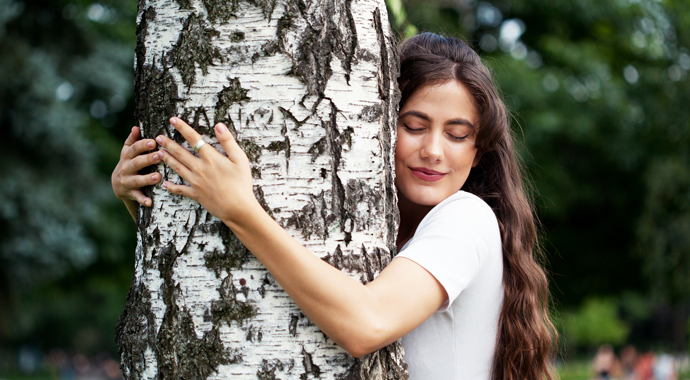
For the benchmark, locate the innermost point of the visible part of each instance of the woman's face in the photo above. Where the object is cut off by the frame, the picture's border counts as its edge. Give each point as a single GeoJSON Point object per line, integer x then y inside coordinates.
{"type": "Point", "coordinates": [435, 149]}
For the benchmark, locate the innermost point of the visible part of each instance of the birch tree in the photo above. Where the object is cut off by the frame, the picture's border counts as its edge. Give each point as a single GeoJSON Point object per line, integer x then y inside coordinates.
{"type": "Point", "coordinates": [307, 88]}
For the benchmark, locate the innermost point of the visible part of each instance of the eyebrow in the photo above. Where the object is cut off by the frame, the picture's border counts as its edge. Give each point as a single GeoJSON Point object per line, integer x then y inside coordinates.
{"type": "Point", "coordinates": [423, 116]}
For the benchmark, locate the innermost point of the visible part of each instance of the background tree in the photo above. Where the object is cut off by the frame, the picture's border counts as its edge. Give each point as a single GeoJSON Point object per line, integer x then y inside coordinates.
{"type": "Point", "coordinates": [65, 81]}
{"type": "Point", "coordinates": [308, 88]}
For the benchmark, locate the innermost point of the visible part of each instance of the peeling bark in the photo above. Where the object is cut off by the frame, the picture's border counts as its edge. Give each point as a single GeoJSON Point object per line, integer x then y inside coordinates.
{"type": "Point", "coordinates": [308, 89]}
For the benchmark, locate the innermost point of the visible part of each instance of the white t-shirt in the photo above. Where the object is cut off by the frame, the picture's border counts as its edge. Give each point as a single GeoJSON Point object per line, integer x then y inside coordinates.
{"type": "Point", "coordinates": [459, 243]}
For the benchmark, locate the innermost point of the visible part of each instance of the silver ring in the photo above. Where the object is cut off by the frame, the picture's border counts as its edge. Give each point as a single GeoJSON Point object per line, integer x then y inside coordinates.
{"type": "Point", "coordinates": [199, 145]}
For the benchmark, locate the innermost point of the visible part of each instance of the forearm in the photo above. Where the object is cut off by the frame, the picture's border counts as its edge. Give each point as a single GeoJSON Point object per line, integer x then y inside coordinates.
{"type": "Point", "coordinates": [132, 207]}
{"type": "Point", "coordinates": [339, 305]}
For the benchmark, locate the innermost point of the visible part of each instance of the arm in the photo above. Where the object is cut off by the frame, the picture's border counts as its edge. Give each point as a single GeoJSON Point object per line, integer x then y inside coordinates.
{"type": "Point", "coordinates": [126, 181]}
{"type": "Point", "coordinates": [359, 318]}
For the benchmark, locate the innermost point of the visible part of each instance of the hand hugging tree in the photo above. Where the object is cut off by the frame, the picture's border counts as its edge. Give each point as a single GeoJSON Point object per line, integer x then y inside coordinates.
{"type": "Point", "coordinates": [307, 88]}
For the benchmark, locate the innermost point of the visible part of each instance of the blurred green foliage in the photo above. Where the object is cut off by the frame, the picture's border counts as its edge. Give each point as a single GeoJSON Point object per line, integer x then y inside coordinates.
{"type": "Point", "coordinates": [594, 324]}
{"type": "Point", "coordinates": [599, 94]}
{"type": "Point", "coordinates": [65, 243]}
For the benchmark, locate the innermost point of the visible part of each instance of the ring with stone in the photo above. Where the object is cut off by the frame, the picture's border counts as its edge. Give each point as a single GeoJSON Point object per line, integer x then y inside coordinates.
{"type": "Point", "coordinates": [199, 145]}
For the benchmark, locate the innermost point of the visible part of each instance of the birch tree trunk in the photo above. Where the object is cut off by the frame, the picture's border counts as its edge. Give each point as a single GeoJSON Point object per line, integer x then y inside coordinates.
{"type": "Point", "coordinates": [308, 89]}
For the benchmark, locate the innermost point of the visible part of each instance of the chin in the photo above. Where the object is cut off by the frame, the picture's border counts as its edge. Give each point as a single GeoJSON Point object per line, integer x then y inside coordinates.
{"type": "Point", "coordinates": [424, 198]}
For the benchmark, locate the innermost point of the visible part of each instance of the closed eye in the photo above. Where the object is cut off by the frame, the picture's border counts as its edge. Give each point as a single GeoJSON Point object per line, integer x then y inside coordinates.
{"type": "Point", "coordinates": [458, 138]}
{"type": "Point", "coordinates": [412, 130]}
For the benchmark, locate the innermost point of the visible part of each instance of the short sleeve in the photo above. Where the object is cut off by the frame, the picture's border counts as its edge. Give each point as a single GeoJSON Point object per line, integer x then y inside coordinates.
{"type": "Point", "coordinates": [452, 242]}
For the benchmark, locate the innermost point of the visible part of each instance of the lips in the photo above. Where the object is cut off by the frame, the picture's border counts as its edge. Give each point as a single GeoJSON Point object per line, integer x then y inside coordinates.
{"type": "Point", "coordinates": [427, 174]}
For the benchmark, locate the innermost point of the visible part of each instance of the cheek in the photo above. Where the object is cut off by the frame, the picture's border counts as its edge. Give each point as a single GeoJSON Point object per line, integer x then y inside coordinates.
{"type": "Point", "coordinates": [402, 148]}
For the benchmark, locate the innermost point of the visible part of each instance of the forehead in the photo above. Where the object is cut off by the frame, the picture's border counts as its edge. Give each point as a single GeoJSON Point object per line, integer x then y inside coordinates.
{"type": "Point", "coordinates": [443, 101]}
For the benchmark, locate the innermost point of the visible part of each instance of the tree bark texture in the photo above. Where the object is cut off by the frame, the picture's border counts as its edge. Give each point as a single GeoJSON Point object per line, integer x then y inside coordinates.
{"type": "Point", "coordinates": [308, 89]}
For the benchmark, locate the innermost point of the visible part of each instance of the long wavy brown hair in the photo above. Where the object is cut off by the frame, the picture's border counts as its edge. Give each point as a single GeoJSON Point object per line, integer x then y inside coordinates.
{"type": "Point", "coordinates": [526, 340]}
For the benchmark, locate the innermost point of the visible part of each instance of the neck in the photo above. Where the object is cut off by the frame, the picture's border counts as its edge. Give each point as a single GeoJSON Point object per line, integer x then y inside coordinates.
{"type": "Point", "coordinates": [411, 214]}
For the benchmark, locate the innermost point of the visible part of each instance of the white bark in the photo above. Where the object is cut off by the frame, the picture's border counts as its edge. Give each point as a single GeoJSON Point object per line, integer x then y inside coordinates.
{"type": "Point", "coordinates": [309, 89]}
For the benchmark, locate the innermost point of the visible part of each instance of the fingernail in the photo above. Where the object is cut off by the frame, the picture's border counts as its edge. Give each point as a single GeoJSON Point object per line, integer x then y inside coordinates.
{"type": "Point", "coordinates": [150, 144]}
{"type": "Point", "coordinates": [221, 128]}
{"type": "Point", "coordinates": [160, 153]}
{"type": "Point", "coordinates": [153, 177]}
{"type": "Point", "coordinates": [173, 120]}
{"type": "Point", "coordinates": [159, 139]}
{"type": "Point", "coordinates": [165, 184]}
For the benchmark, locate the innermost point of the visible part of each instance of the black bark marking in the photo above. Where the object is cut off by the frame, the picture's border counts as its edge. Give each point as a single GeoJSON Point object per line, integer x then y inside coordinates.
{"type": "Point", "coordinates": [140, 50]}
{"type": "Point", "coordinates": [156, 101]}
{"type": "Point", "coordinates": [268, 369]}
{"type": "Point", "coordinates": [336, 259]}
{"type": "Point", "coordinates": [292, 328]}
{"type": "Point", "coordinates": [230, 94]}
{"type": "Point", "coordinates": [367, 55]}
{"type": "Point", "coordinates": [235, 254]}
{"type": "Point", "coordinates": [221, 10]}
{"type": "Point", "coordinates": [289, 116]}
{"type": "Point", "coordinates": [370, 113]}
{"type": "Point", "coordinates": [156, 98]}
{"type": "Point", "coordinates": [320, 40]}
{"type": "Point", "coordinates": [309, 366]}
{"type": "Point", "coordinates": [389, 68]}
{"type": "Point", "coordinates": [184, 4]}
{"type": "Point", "coordinates": [194, 47]}
{"type": "Point", "coordinates": [267, 5]}
{"type": "Point", "coordinates": [135, 331]}
{"type": "Point", "coordinates": [253, 152]}
{"type": "Point", "coordinates": [237, 36]}
{"type": "Point", "coordinates": [335, 140]}
{"type": "Point", "coordinates": [254, 333]}
{"type": "Point", "coordinates": [318, 148]}
{"type": "Point", "coordinates": [251, 149]}
{"type": "Point", "coordinates": [357, 193]}
{"type": "Point", "coordinates": [381, 361]}
{"type": "Point", "coordinates": [281, 146]}
{"type": "Point", "coordinates": [194, 122]}
{"type": "Point", "coordinates": [228, 308]}
{"type": "Point", "coordinates": [259, 194]}
{"type": "Point", "coordinates": [180, 354]}
{"type": "Point", "coordinates": [313, 218]}
{"type": "Point", "coordinates": [367, 263]}
{"type": "Point", "coordinates": [266, 281]}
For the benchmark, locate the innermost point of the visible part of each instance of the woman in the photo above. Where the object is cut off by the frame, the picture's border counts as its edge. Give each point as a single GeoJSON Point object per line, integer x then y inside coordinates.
{"type": "Point", "coordinates": [465, 293]}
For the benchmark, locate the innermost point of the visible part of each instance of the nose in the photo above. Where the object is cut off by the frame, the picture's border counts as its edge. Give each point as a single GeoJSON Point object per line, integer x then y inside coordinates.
{"type": "Point", "coordinates": [432, 148]}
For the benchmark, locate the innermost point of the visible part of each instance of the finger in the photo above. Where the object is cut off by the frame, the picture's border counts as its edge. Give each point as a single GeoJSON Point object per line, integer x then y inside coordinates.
{"type": "Point", "coordinates": [187, 132]}
{"type": "Point", "coordinates": [227, 141]}
{"type": "Point", "coordinates": [138, 181]}
{"type": "Point", "coordinates": [176, 165]}
{"type": "Point", "coordinates": [140, 147]}
{"type": "Point", "coordinates": [176, 150]}
{"type": "Point", "coordinates": [133, 136]}
{"type": "Point", "coordinates": [140, 162]}
{"type": "Point", "coordinates": [183, 190]}
{"type": "Point", "coordinates": [140, 198]}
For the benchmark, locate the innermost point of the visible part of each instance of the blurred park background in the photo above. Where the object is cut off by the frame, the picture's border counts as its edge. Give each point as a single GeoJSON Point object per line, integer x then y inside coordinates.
{"type": "Point", "coordinates": [600, 96]}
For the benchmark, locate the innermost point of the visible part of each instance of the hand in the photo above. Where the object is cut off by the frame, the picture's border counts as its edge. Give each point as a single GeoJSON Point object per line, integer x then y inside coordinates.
{"type": "Point", "coordinates": [222, 185]}
{"type": "Point", "coordinates": [126, 181]}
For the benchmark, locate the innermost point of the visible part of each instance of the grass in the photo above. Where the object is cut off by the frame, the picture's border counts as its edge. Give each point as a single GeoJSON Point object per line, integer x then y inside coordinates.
{"type": "Point", "coordinates": [575, 370]}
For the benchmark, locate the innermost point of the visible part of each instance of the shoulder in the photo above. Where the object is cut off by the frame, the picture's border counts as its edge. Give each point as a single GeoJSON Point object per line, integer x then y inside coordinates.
{"type": "Point", "coordinates": [462, 209]}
